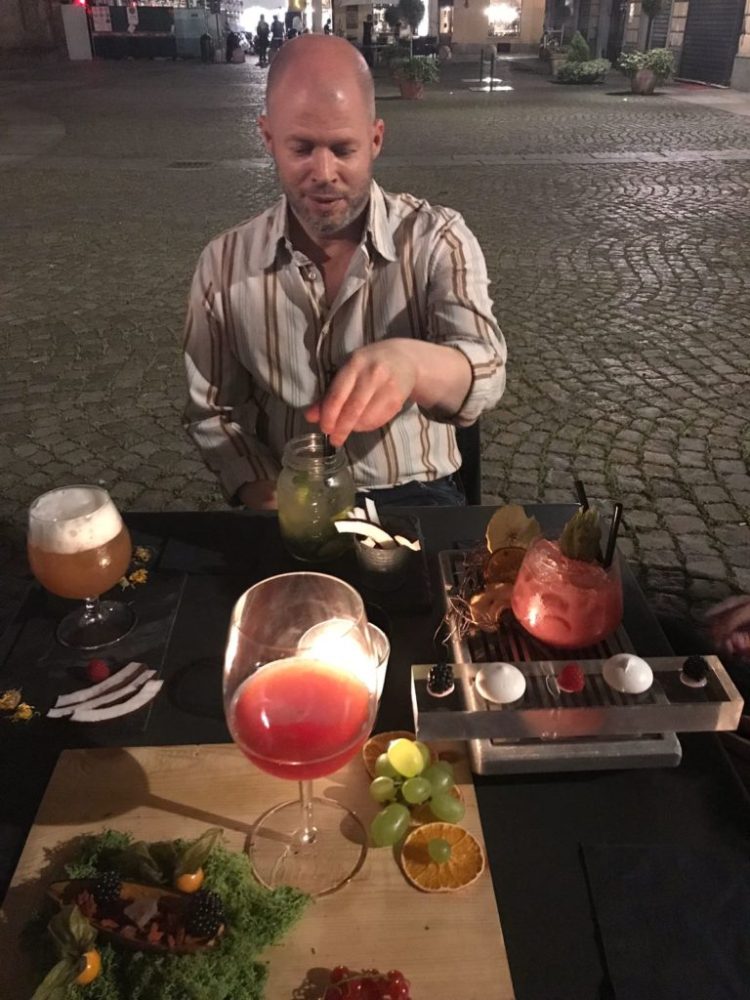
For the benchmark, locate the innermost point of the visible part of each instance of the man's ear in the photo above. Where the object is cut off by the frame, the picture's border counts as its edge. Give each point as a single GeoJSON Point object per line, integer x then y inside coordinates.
{"type": "Point", "coordinates": [265, 133]}
{"type": "Point", "coordinates": [378, 131]}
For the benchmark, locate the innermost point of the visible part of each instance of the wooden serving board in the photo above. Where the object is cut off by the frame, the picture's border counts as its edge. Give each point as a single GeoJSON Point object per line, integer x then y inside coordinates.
{"type": "Point", "coordinates": [449, 945]}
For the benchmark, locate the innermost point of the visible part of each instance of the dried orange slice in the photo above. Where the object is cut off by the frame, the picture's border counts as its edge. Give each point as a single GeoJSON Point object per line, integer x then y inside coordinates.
{"type": "Point", "coordinates": [465, 865]}
{"type": "Point", "coordinates": [504, 564]}
{"type": "Point", "coordinates": [379, 744]}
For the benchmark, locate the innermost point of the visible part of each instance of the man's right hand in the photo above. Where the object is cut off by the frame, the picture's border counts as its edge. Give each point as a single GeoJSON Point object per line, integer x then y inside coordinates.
{"type": "Point", "coordinates": [729, 623]}
{"type": "Point", "coordinates": [258, 496]}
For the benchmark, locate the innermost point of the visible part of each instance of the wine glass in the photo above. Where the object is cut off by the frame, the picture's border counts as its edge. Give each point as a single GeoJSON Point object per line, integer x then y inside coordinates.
{"type": "Point", "coordinates": [300, 696]}
{"type": "Point", "coordinates": [78, 548]}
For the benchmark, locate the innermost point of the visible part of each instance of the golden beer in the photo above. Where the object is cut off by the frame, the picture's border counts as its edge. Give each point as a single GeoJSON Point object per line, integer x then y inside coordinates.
{"type": "Point", "coordinates": [82, 574]}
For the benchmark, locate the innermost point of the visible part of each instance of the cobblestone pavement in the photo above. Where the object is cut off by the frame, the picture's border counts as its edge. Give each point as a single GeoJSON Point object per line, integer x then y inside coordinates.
{"type": "Point", "coordinates": [615, 234]}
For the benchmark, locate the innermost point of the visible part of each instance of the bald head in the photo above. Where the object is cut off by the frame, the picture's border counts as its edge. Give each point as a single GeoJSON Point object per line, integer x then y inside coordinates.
{"type": "Point", "coordinates": [324, 66]}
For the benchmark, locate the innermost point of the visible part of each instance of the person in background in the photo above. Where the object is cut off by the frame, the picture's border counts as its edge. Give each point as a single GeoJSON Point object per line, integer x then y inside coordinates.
{"type": "Point", "coordinates": [277, 35]}
{"type": "Point", "coordinates": [367, 40]}
{"type": "Point", "coordinates": [261, 41]}
{"type": "Point", "coordinates": [327, 27]}
{"type": "Point", "coordinates": [343, 306]}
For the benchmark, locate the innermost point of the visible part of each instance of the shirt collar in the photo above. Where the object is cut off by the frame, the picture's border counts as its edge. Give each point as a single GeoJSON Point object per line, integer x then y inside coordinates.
{"type": "Point", "coordinates": [377, 228]}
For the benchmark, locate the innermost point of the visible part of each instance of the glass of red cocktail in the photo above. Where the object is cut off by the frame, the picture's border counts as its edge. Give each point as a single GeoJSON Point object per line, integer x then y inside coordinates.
{"type": "Point", "coordinates": [566, 602]}
{"type": "Point", "coordinates": [78, 548]}
{"type": "Point", "coordinates": [300, 696]}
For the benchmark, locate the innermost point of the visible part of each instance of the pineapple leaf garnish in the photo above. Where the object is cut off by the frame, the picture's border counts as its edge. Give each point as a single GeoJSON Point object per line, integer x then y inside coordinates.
{"type": "Point", "coordinates": [582, 536]}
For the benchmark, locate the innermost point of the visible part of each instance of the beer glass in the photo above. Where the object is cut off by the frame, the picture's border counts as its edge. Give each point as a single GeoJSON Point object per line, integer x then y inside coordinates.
{"type": "Point", "coordinates": [78, 548]}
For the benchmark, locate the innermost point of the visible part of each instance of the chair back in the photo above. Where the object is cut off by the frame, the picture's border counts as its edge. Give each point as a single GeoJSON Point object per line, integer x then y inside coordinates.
{"type": "Point", "coordinates": [469, 440]}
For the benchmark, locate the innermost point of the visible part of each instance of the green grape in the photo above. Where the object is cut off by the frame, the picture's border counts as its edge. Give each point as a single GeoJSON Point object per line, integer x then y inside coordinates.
{"type": "Point", "coordinates": [439, 777]}
{"type": "Point", "coordinates": [404, 755]}
{"type": "Point", "coordinates": [390, 825]}
{"type": "Point", "coordinates": [384, 768]}
{"type": "Point", "coordinates": [439, 850]}
{"type": "Point", "coordinates": [416, 790]}
{"type": "Point", "coordinates": [383, 789]}
{"type": "Point", "coordinates": [425, 751]}
{"type": "Point", "coordinates": [446, 808]}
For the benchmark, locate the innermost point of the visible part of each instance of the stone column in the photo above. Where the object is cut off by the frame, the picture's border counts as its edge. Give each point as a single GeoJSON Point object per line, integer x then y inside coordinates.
{"type": "Point", "coordinates": [317, 17]}
{"type": "Point", "coordinates": [741, 73]}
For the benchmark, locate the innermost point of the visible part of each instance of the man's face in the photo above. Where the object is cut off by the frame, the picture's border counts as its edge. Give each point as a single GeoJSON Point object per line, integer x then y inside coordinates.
{"type": "Point", "coordinates": [324, 148]}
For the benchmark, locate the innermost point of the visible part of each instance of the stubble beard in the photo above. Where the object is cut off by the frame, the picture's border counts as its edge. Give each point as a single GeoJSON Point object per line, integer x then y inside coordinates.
{"type": "Point", "coordinates": [317, 225]}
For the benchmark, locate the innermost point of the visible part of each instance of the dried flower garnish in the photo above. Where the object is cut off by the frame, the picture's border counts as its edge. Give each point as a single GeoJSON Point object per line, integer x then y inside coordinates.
{"type": "Point", "coordinates": [142, 554]}
{"type": "Point", "coordinates": [23, 713]}
{"type": "Point", "coordinates": [10, 700]}
{"type": "Point", "coordinates": [124, 583]}
{"type": "Point", "coordinates": [138, 576]}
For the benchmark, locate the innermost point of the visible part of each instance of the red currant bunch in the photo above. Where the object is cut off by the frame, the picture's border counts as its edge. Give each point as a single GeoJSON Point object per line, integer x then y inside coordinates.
{"type": "Point", "coordinates": [367, 985]}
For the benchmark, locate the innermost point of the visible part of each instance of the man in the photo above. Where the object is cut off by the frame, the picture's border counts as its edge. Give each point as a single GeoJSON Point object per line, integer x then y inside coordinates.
{"type": "Point", "coordinates": [261, 41]}
{"type": "Point", "coordinates": [342, 306]}
{"type": "Point", "coordinates": [327, 27]}
{"type": "Point", "coordinates": [277, 35]}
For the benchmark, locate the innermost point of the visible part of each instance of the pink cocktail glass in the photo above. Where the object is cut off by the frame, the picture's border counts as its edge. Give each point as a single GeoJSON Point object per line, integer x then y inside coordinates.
{"type": "Point", "coordinates": [300, 695]}
{"type": "Point", "coordinates": [566, 602]}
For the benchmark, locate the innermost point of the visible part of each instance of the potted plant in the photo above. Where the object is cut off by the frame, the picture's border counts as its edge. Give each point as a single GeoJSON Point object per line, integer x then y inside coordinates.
{"type": "Point", "coordinates": [579, 67]}
{"type": "Point", "coordinates": [413, 73]}
{"type": "Point", "coordinates": [646, 69]}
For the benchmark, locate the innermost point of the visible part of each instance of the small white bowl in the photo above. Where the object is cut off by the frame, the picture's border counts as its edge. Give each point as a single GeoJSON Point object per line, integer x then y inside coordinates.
{"type": "Point", "coordinates": [627, 673]}
{"type": "Point", "coordinates": [501, 683]}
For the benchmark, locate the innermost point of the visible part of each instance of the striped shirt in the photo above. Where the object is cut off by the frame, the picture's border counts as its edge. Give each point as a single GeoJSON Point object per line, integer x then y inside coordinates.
{"type": "Point", "coordinates": [261, 344]}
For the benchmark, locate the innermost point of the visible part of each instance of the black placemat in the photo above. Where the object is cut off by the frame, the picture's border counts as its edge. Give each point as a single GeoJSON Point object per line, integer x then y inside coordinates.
{"type": "Point", "coordinates": [673, 920]}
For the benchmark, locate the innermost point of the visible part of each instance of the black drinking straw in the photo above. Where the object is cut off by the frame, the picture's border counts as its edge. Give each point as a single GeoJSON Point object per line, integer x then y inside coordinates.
{"type": "Point", "coordinates": [583, 500]}
{"type": "Point", "coordinates": [328, 448]}
{"type": "Point", "coordinates": [614, 527]}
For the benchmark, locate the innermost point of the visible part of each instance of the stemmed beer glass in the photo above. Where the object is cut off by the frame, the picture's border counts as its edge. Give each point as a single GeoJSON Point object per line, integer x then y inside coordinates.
{"type": "Point", "coordinates": [78, 548]}
{"type": "Point", "coordinates": [300, 700]}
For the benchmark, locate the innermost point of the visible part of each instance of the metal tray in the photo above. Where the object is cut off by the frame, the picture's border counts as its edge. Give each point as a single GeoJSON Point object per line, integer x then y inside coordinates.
{"type": "Point", "coordinates": [523, 742]}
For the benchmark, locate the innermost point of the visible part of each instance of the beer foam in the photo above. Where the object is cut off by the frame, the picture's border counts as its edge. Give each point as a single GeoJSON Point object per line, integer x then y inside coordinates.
{"type": "Point", "coordinates": [73, 519]}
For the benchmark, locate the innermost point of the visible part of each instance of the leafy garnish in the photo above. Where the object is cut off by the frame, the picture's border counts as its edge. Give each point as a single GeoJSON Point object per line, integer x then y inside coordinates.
{"type": "Point", "coordinates": [71, 932]}
{"type": "Point", "coordinates": [582, 536]}
{"type": "Point", "coordinates": [55, 984]}
{"type": "Point", "coordinates": [195, 855]}
{"type": "Point", "coordinates": [255, 919]}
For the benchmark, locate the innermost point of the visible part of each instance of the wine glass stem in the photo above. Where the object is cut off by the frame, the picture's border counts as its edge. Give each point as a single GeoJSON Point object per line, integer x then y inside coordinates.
{"type": "Point", "coordinates": [91, 609]}
{"type": "Point", "coordinates": [307, 831]}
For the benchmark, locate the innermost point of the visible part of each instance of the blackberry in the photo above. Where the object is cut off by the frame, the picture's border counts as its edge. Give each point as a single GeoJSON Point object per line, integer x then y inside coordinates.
{"type": "Point", "coordinates": [205, 914]}
{"type": "Point", "coordinates": [440, 679]}
{"type": "Point", "coordinates": [695, 668]}
{"type": "Point", "coordinates": [107, 887]}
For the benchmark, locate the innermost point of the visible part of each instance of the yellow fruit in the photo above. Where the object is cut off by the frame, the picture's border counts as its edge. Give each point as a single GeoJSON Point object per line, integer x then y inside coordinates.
{"type": "Point", "coordinates": [190, 881]}
{"type": "Point", "coordinates": [509, 527]}
{"type": "Point", "coordinates": [91, 967]}
{"type": "Point", "coordinates": [379, 744]}
{"type": "Point", "coordinates": [465, 865]}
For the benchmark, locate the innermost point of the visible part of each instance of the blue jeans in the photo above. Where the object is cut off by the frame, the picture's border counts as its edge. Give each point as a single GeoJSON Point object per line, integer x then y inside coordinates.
{"type": "Point", "coordinates": [438, 493]}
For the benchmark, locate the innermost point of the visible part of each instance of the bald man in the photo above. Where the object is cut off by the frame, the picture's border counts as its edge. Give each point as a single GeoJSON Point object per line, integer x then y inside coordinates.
{"type": "Point", "coordinates": [342, 307]}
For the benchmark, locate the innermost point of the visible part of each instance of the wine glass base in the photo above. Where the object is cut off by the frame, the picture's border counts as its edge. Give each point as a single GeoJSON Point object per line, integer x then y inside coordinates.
{"type": "Point", "coordinates": [110, 622]}
{"type": "Point", "coordinates": [279, 857]}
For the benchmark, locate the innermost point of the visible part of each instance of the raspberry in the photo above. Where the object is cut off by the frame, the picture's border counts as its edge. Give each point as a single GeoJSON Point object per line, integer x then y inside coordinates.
{"type": "Point", "coordinates": [97, 670]}
{"type": "Point", "coordinates": [571, 679]}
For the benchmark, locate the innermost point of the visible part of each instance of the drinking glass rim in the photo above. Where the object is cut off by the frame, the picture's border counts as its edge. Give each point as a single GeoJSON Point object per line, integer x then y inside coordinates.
{"type": "Point", "coordinates": [33, 513]}
{"type": "Point", "coordinates": [362, 621]}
